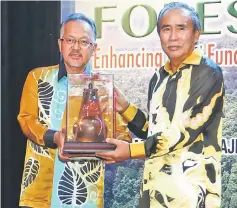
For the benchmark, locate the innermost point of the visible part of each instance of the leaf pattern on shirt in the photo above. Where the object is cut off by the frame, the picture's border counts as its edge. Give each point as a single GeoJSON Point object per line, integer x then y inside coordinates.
{"type": "Point", "coordinates": [45, 92]}
{"type": "Point", "coordinates": [71, 188]}
{"type": "Point", "coordinates": [92, 171]}
{"type": "Point", "coordinates": [31, 171]}
{"type": "Point", "coordinates": [41, 150]}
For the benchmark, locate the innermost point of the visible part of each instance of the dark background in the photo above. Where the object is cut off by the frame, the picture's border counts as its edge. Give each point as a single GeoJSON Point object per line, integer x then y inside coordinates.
{"type": "Point", "coordinates": [29, 32]}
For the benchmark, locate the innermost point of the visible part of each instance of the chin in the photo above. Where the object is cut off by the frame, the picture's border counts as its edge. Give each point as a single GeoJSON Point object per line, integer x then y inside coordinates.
{"type": "Point", "coordinates": [174, 55]}
{"type": "Point", "coordinates": [76, 65]}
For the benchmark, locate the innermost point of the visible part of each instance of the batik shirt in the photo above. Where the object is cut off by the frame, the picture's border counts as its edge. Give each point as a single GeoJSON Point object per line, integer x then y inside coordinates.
{"type": "Point", "coordinates": [182, 136]}
{"type": "Point", "coordinates": [46, 181]}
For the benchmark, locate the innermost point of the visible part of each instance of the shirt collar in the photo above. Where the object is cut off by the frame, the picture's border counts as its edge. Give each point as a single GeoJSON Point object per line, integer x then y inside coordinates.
{"type": "Point", "coordinates": [63, 72]}
{"type": "Point", "coordinates": [194, 59]}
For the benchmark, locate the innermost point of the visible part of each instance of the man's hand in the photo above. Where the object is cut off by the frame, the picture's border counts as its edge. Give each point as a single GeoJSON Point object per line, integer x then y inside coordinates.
{"type": "Point", "coordinates": [104, 103]}
{"type": "Point", "coordinates": [59, 139]}
{"type": "Point", "coordinates": [121, 153]}
{"type": "Point", "coordinates": [121, 101]}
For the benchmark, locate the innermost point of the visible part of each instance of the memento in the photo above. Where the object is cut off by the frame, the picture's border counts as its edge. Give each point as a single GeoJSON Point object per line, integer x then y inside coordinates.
{"type": "Point", "coordinates": [90, 116]}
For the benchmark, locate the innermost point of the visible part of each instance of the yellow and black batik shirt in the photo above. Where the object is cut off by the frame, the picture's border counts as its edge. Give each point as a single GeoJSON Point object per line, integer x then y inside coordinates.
{"type": "Point", "coordinates": [182, 136]}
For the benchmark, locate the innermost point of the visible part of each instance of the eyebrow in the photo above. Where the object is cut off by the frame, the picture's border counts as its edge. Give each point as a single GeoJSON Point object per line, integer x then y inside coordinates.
{"type": "Point", "coordinates": [164, 26]}
{"type": "Point", "coordinates": [92, 40]}
{"type": "Point", "coordinates": [83, 37]}
{"type": "Point", "coordinates": [181, 25]}
{"type": "Point", "coordinates": [178, 25]}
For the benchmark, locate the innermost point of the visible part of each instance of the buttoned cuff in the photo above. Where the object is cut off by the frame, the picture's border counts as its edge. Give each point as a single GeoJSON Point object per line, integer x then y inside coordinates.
{"type": "Point", "coordinates": [137, 150]}
{"type": "Point", "coordinates": [130, 113]}
{"type": "Point", "coordinates": [49, 139]}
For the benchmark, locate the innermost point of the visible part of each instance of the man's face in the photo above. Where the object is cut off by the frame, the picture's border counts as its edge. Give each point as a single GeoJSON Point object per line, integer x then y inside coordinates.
{"type": "Point", "coordinates": [74, 54]}
{"type": "Point", "coordinates": [177, 35]}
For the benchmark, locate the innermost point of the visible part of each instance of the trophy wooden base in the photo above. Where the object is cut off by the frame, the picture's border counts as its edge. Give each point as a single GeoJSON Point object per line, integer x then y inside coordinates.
{"type": "Point", "coordinates": [86, 150]}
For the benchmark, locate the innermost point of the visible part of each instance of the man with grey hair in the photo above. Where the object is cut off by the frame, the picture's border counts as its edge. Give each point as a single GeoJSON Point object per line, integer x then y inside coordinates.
{"type": "Point", "coordinates": [49, 180]}
{"type": "Point", "coordinates": [182, 134]}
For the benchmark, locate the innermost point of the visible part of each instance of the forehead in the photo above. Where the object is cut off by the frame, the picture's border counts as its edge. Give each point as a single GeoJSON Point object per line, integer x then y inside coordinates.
{"type": "Point", "coordinates": [78, 28]}
{"type": "Point", "coordinates": [176, 16]}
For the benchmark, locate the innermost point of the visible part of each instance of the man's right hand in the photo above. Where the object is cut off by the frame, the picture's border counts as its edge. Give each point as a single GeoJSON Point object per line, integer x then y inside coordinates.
{"type": "Point", "coordinates": [121, 101]}
{"type": "Point", "coordinates": [121, 153]}
{"type": "Point", "coordinates": [59, 139]}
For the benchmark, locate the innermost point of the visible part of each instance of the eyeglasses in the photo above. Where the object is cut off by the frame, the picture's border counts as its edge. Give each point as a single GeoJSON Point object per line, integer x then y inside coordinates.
{"type": "Point", "coordinates": [83, 43]}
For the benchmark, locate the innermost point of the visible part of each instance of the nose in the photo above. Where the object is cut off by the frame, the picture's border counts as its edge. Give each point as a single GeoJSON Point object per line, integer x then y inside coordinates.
{"type": "Point", "coordinates": [77, 45]}
{"type": "Point", "coordinates": [173, 35]}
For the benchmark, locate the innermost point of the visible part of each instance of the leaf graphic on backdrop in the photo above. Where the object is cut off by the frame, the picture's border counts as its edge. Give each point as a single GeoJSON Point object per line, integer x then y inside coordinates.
{"type": "Point", "coordinates": [71, 188]}
{"type": "Point", "coordinates": [45, 92]}
{"type": "Point", "coordinates": [31, 171]}
{"type": "Point", "coordinates": [41, 150]}
{"type": "Point", "coordinates": [92, 171]}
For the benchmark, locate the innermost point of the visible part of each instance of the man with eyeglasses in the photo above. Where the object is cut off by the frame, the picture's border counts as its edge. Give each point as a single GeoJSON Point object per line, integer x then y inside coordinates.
{"type": "Point", "coordinates": [49, 179]}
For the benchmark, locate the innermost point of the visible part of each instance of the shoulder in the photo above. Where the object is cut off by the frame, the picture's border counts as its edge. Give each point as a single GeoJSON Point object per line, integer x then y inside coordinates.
{"type": "Point", "coordinates": [210, 67]}
{"type": "Point", "coordinates": [45, 69]}
{"type": "Point", "coordinates": [41, 72]}
{"type": "Point", "coordinates": [154, 78]}
{"type": "Point", "coordinates": [207, 71]}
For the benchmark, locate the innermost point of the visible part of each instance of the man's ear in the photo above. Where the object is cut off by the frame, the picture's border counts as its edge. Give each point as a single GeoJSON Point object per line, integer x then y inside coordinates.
{"type": "Point", "coordinates": [94, 49]}
{"type": "Point", "coordinates": [197, 35]}
{"type": "Point", "coordinates": [59, 44]}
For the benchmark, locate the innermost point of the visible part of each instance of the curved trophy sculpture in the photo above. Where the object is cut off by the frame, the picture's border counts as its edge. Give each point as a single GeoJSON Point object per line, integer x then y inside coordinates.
{"type": "Point", "coordinates": [88, 127]}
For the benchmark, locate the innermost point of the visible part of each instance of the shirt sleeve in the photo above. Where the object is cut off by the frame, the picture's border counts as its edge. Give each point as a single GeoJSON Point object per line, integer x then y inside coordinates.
{"type": "Point", "coordinates": [28, 115]}
{"type": "Point", "coordinates": [122, 131]}
{"type": "Point", "coordinates": [138, 124]}
{"type": "Point", "coordinates": [204, 103]}
{"type": "Point", "coordinates": [137, 121]}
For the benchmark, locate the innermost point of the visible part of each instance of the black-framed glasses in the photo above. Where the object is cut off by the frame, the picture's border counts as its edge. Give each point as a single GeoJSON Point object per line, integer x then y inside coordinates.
{"type": "Point", "coordinates": [83, 42]}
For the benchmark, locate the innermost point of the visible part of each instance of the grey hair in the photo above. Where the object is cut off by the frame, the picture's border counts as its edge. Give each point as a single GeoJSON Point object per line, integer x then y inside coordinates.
{"type": "Point", "coordinates": [179, 5]}
{"type": "Point", "coordinates": [79, 17]}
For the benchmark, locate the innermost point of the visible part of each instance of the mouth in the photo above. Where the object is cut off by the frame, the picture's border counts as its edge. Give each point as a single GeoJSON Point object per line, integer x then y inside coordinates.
{"type": "Point", "coordinates": [76, 55]}
{"type": "Point", "coordinates": [174, 48]}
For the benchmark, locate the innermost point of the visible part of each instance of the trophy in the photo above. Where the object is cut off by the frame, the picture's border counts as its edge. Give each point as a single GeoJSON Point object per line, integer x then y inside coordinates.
{"type": "Point", "coordinates": [90, 126]}
{"type": "Point", "coordinates": [87, 125]}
